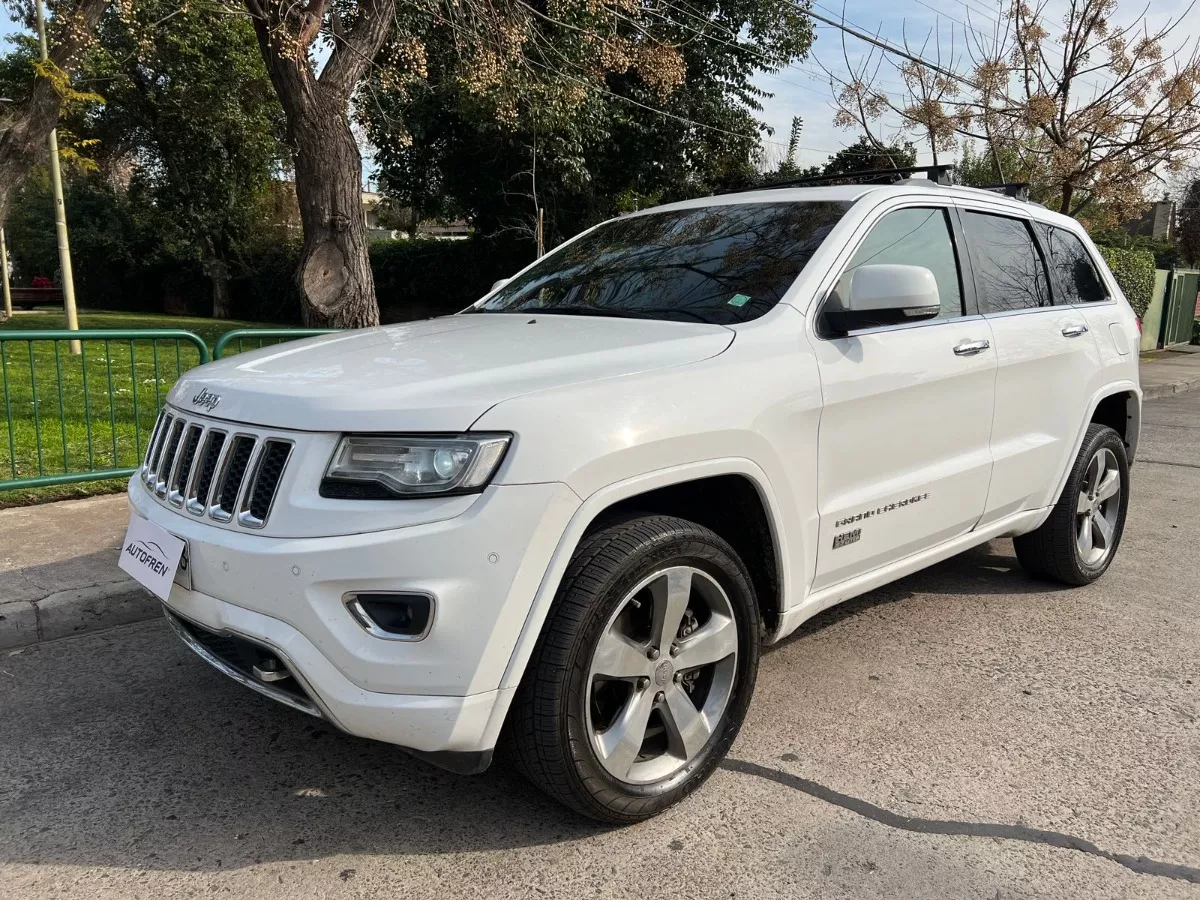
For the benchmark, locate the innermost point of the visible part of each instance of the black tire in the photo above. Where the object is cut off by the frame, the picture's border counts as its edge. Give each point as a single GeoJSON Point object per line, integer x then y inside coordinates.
{"type": "Point", "coordinates": [1052, 551]}
{"type": "Point", "coordinates": [547, 732]}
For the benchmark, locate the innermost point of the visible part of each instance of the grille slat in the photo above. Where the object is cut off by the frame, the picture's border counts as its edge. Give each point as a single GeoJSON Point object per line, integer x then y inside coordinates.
{"type": "Point", "coordinates": [240, 452]}
{"type": "Point", "coordinates": [212, 473]}
{"type": "Point", "coordinates": [198, 502]}
{"type": "Point", "coordinates": [183, 468]}
{"type": "Point", "coordinates": [267, 474]}
{"type": "Point", "coordinates": [168, 457]}
{"type": "Point", "coordinates": [156, 444]}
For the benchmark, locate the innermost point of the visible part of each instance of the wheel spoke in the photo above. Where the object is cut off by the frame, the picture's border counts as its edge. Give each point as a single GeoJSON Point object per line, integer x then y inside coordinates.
{"type": "Point", "coordinates": [687, 729]}
{"type": "Point", "coordinates": [618, 657]}
{"type": "Point", "coordinates": [1083, 505]}
{"type": "Point", "coordinates": [671, 595]}
{"type": "Point", "coordinates": [620, 744]}
{"type": "Point", "coordinates": [1094, 469]}
{"type": "Point", "coordinates": [1103, 530]}
{"type": "Point", "coordinates": [715, 640]}
{"type": "Point", "coordinates": [1109, 485]}
{"type": "Point", "coordinates": [1085, 536]}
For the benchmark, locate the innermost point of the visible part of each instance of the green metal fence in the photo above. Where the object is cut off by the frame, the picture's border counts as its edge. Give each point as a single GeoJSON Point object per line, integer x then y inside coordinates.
{"type": "Point", "coordinates": [86, 417]}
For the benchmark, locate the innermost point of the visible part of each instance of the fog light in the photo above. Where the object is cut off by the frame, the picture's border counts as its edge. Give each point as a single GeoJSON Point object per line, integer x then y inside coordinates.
{"type": "Point", "coordinates": [392, 616]}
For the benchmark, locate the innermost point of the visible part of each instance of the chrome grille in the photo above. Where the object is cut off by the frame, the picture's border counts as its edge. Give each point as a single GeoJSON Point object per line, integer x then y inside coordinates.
{"type": "Point", "coordinates": [210, 472]}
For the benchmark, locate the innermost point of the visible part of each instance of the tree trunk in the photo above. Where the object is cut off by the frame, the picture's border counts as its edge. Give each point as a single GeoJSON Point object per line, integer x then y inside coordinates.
{"type": "Point", "coordinates": [1068, 191]}
{"type": "Point", "coordinates": [335, 280]}
{"type": "Point", "coordinates": [217, 271]}
{"type": "Point", "coordinates": [24, 141]}
{"type": "Point", "coordinates": [337, 289]}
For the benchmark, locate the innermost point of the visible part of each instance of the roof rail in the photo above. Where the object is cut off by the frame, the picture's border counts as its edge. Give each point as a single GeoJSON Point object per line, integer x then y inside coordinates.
{"type": "Point", "coordinates": [941, 174]}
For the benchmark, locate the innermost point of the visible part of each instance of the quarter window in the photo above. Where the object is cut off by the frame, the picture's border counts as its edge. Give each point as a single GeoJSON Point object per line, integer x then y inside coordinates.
{"type": "Point", "coordinates": [915, 237]}
{"type": "Point", "coordinates": [1009, 271]}
{"type": "Point", "coordinates": [1076, 278]}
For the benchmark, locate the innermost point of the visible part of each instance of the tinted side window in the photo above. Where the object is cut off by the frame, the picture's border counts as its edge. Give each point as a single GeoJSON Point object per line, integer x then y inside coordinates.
{"type": "Point", "coordinates": [1009, 273]}
{"type": "Point", "coordinates": [1076, 278]}
{"type": "Point", "coordinates": [915, 237]}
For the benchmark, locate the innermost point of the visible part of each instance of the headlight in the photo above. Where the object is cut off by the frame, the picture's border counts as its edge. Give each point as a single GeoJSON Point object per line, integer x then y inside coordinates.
{"type": "Point", "coordinates": [385, 466]}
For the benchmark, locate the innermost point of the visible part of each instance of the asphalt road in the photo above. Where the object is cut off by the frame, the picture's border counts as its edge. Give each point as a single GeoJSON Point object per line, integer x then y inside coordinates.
{"type": "Point", "coordinates": [963, 733]}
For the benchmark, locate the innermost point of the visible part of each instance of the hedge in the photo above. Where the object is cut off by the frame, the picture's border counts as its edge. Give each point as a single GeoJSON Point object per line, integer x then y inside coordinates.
{"type": "Point", "coordinates": [1134, 271]}
{"type": "Point", "coordinates": [414, 279]}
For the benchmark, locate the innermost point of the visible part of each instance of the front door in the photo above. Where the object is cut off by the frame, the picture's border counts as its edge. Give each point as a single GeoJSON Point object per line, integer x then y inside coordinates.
{"type": "Point", "coordinates": [903, 450]}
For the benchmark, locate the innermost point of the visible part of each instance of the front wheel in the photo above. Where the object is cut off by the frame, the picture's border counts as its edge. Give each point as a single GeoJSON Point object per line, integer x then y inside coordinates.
{"type": "Point", "coordinates": [643, 673]}
{"type": "Point", "coordinates": [1077, 543]}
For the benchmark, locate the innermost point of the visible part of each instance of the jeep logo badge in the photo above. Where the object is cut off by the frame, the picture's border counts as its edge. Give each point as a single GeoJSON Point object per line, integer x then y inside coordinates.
{"type": "Point", "coordinates": [205, 400]}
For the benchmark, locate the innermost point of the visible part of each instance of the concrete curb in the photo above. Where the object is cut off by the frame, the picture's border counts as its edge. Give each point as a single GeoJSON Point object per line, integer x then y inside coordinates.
{"type": "Point", "coordinates": [25, 622]}
{"type": "Point", "coordinates": [1158, 391]}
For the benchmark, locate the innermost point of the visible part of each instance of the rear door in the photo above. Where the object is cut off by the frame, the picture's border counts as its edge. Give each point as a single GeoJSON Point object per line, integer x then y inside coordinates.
{"type": "Point", "coordinates": [903, 459]}
{"type": "Point", "coordinates": [1047, 362]}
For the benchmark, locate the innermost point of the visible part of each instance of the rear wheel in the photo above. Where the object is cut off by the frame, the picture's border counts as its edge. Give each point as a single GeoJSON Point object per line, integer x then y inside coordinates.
{"type": "Point", "coordinates": [643, 673]}
{"type": "Point", "coordinates": [1077, 543]}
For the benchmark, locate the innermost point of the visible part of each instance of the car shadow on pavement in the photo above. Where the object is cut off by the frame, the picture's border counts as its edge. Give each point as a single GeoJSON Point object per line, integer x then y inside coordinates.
{"type": "Point", "coordinates": [988, 570]}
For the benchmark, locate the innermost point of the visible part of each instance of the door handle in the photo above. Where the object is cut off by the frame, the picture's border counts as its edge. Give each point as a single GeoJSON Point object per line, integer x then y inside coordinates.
{"type": "Point", "coordinates": [970, 348]}
{"type": "Point", "coordinates": [1074, 330]}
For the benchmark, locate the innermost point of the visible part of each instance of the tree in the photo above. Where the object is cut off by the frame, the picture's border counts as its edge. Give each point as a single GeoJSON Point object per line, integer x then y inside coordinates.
{"type": "Point", "coordinates": [35, 110]}
{"type": "Point", "coordinates": [1188, 231]}
{"type": "Point", "coordinates": [582, 114]}
{"type": "Point", "coordinates": [195, 113]}
{"type": "Point", "coordinates": [865, 156]}
{"type": "Point", "coordinates": [1095, 114]}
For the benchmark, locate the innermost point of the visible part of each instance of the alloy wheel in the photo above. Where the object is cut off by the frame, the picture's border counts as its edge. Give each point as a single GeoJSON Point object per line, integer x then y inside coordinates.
{"type": "Point", "coordinates": [1098, 507]}
{"type": "Point", "coordinates": [661, 675]}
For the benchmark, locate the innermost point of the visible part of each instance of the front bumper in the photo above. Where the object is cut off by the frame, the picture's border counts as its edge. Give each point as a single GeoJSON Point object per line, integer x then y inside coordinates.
{"type": "Point", "coordinates": [438, 695]}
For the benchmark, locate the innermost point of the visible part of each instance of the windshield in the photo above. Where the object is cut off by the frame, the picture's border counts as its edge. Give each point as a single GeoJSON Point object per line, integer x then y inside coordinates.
{"type": "Point", "coordinates": [718, 264]}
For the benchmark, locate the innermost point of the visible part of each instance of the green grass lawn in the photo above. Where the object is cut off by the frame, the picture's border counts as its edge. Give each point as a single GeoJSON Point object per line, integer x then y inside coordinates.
{"type": "Point", "coordinates": [59, 421]}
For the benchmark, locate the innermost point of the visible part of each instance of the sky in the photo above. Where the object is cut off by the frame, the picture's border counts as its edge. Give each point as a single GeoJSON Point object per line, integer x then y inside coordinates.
{"type": "Point", "coordinates": [803, 88]}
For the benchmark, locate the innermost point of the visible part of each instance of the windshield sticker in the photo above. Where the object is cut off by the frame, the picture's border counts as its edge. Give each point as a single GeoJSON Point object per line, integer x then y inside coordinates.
{"type": "Point", "coordinates": [739, 300]}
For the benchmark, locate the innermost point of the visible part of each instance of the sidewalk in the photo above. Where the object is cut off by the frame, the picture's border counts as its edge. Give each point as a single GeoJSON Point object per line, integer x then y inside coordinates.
{"type": "Point", "coordinates": [58, 571]}
{"type": "Point", "coordinates": [58, 561]}
{"type": "Point", "coordinates": [1166, 372]}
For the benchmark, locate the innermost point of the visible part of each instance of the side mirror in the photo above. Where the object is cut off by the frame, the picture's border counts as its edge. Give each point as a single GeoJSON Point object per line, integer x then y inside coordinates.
{"type": "Point", "coordinates": [877, 295]}
{"type": "Point", "coordinates": [499, 284]}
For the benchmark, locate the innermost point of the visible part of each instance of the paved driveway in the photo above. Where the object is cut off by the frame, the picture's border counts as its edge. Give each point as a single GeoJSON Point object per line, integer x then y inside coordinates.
{"type": "Point", "coordinates": [963, 733]}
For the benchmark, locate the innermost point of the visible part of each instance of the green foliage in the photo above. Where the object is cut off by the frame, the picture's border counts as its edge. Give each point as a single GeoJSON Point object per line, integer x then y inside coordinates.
{"type": "Point", "coordinates": [1188, 232]}
{"type": "Point", "coordinates": [416, 279]}
{"type": "Point", "coordinates": [866, 156]}
{"type": "Point", "coordinates": [1134, 271]}
{"type": "Point", "coordinates": [1167, 254]}
{"type": "Point", "coordinates": [444, 148]}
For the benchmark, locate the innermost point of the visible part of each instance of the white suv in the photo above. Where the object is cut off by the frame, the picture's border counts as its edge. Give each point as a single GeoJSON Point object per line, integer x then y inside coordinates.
{"type": "Point", "coordinates": [567, 519]}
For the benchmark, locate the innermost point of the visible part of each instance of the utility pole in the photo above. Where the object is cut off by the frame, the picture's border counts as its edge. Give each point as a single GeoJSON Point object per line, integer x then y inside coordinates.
{"type": "Point", "coordinates": [4, 266]}
{"type": "Point", "coordinates": [60, 209]}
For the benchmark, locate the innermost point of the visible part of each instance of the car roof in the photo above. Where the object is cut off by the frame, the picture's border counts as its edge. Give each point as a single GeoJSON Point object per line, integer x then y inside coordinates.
{"type": "Point", "coordinates": [848, 193]}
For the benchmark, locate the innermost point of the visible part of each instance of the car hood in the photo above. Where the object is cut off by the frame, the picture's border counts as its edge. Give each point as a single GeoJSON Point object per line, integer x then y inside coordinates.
{"type": "Point", "coordinates": [435, 375]}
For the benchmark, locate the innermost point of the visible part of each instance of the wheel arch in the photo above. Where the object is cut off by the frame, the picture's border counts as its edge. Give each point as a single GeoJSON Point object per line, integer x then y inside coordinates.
{"type": "Point", "coordinates": [667, 491]}
{"type": "Point", "coordinates": [1115, 404]}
